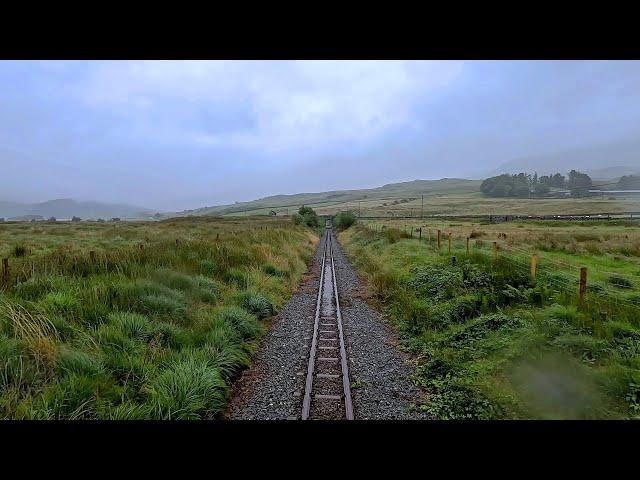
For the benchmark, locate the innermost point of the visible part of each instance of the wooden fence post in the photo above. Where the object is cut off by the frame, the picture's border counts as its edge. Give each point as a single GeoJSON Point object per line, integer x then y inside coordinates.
{"type": "Point", "coordinates": [495, 252]}
{"type": "Point", "coordinates": [583, 283]}
{"type": "Point", "coordinates": [534, 266]}
{"type": "Point", "coordinates": [92, 256]}
{"type": "Point", "coordinates": [438, 240]}
{"type": "Point", "coordinates": [449, 242]}
{"type": "Point", "coordinates": [142, 247]}
{"type": "Point", "coordinates": [420, 234]}
{"type": "Point", "coordinates": [467, 245]}
{"type": "Point", "coordinates": [429, 237]}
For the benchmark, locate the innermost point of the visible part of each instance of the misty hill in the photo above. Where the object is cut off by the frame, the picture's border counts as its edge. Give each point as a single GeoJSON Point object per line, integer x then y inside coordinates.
{"type": "Point", "coordinates": [604, 162]}
{"type": "Point", "coordinates": [67, 208]}
{"type": "Point", "coordinates": [392, 190]}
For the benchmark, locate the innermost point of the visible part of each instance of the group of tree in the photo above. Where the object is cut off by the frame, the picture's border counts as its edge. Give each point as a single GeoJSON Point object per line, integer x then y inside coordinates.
{"type": "Point", "coordinates": [306, 216]}
{"type": "Point", "coordinates": [629, 182]}
{"type": "Point", "coordinates": [524, 185]}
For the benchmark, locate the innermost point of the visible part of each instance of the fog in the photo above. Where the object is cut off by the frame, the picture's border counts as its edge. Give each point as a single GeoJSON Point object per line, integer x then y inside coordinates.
{"type": "Point", "coordinates": [172, 135]}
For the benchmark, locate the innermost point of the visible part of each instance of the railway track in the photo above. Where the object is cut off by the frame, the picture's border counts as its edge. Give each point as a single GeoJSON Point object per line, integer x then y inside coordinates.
{"type": "Point", "coordinates": [327, 394]}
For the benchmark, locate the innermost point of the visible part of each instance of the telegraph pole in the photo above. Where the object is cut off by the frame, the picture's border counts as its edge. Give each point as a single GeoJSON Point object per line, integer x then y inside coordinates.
{"type": "Point", "coordinates": [422, 208]}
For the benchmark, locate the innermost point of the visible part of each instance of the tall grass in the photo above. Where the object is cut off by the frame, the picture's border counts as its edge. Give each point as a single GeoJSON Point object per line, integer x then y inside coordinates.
{"type": "Point", "coordinates": [125, 332]}
{"type": "Point", "coordinates": [491, 343]}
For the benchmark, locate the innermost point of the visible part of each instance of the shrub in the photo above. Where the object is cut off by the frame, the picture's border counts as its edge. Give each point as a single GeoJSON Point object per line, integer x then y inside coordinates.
{"type": "Point", "coordinates": [133, 325]}
{"type": "Point", "coordinates": [19, 251]}
{"type": "Point", "coordinates": [269, 269]}
{"type": "Point", "coordinates": [187, 390]}
{"type": "Point", "coordinates": [75, 361]}
{"type": "Point", "coordinates": [34, 288]}
{"type": "Point", "coordinates": [245, 323]}
{"type": "Point", "coordinates": [61, 302]}
{"type": "Point", "coordinates": [207, 267]}
{"type": "Point", "coordinates": [174, 280]}
{"type": "Point", "coordinates": [344, 220]}
{"type": "Point", "coordinates": [436, 281]}
{"type": "Point", "coordinates": [620, 282]}
{"type": "Point", "coordinates": [256, 303]}
{"type": "Point", "coordinates": [163, 306]}
{"type": "Point", "coordinates": [208, 290]}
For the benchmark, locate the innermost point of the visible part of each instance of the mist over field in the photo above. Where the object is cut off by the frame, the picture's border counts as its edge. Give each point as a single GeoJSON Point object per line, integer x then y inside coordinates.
{"type": "Point", "coordinates": [173, 135]}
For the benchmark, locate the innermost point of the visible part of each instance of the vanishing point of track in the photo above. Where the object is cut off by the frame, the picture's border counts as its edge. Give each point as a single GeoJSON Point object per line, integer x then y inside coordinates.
{"type": "Point", "coordinates": [327, 394]}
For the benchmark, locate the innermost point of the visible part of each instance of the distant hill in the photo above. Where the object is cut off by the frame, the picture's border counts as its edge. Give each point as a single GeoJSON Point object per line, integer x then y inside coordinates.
{"type": "Point", "coordinates": [392, 190]}
{"type": "Point", "coordinates": [67, 208]}
{"type": "Point", "coordinates": [604, 162]}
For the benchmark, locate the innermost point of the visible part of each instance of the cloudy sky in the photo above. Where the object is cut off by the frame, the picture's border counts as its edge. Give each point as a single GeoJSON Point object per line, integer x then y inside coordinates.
{"type": "Point", "coordinates": [172, 135]}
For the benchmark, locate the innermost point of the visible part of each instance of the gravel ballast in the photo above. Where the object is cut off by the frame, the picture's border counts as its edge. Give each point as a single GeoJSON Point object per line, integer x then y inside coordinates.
{"type": "Point", "coordinates": [273, 387]}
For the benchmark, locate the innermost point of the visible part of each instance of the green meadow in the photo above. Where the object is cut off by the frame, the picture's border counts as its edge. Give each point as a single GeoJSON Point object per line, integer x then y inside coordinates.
{"type": "Point", "coordinates": [138, 320]}
{"type": "Point", "coordinates": [491, 342]}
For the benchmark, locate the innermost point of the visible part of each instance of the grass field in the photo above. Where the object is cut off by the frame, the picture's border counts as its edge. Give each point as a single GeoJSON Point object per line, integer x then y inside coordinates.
{"type": "Point", "coordinates": [447, 202]}
{"type": "Point", "coordinates": [138, 320]}
{"type": "Point", "coordinates": [491, 342]}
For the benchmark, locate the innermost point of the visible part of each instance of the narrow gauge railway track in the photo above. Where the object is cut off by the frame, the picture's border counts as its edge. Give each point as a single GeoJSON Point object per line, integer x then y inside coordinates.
{"type": "Point", "coordinates": [327, 394]}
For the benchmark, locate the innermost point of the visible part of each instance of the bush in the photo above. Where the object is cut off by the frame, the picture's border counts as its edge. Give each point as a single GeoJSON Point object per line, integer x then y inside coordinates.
{"type": "Point", "coordinates": [174, 280]}
{"type": "Point", "coordinates": [256, 303]}
{"type": "Point", "coordinates": [208, 290]}
{"type": "Point", "coordinates": [19, 251]}
{"type": "Point", "coordinates": [187, 390]}
{"type": "Point", "coordinates": [75, 361]}
{"type": "Point", "coordinates": [163, 306]}
{"type": "Point", "coordinates": [243, 322]}
{"type": "Point", "coordinates": [344, 220]}
{"type": "Point", "coordinates": [133, 325]}
{"type": "Point", "coordinates": [620, 282]}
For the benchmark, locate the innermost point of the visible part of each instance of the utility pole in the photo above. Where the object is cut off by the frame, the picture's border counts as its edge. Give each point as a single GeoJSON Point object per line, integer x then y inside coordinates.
{"type": "Point", "coordinates": [422, 208]}
{"type": "Point", "coordinates": [359, 212]}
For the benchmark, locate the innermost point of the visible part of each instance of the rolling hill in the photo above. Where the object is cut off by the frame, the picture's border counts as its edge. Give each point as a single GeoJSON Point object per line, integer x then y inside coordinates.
{"type": "Point", "coordinates": [67, 208]}
{"type": "Point", "coordinates": [335, 198]}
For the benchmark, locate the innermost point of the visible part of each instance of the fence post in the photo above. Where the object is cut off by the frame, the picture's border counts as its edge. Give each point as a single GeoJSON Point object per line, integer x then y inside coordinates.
{"type": "Point", "coordinates": [5, 271]}
{"type": "Point", "coordinates": [495, 251]}
{"type": "Point", "coordinates": [534, 266]}
{"type": "Point", "coordinates": [583, 283]}
{"type": "Point", "coordinates": [467, 245]}
{"type": "Point", "coordinates": [420, 234]}
{"type": "Point", "coordinates": [449, 242]}
{"type": "Point", "coordinates": [177, 243]}
{"type": "Point", "coordinates": [217, 236]}
{"type": "Point", "coordinates": [429, 237]}
{"type": "Point", "coordinates": [438, 241]}
{"type": "Point", "coordinates": [92, 255]}
{"type": "Point", "coordinates": [142, 247]}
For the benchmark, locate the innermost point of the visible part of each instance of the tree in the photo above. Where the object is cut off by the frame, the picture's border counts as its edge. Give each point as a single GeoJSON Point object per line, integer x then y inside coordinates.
{"type": "Point", "coordinates": [273, 213]}
{"type": "Point", "coordinates": [541, 189]}
{"type": "Point", "coordinates": [629, 182]}
{"type": "Point", "coordinates": [75, 219]}
{"type": "Point", "coordinates": [306, 216]}
{"type": "Point", "coordinates": [579, 180]}
{"type": "Point", "coordinates": [558, 181]}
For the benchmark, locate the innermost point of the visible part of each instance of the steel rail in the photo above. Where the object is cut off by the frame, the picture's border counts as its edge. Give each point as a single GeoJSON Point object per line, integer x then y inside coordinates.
{"type": "Point", "coordinates": [306, 403]}
{"type": "Point", "coordinates": [348, 406]}
{"type": "Point", "coordinates": [327, 261]}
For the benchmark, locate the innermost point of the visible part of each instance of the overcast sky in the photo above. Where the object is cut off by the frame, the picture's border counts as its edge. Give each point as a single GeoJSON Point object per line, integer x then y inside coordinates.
{"type": "Point", "coordinates": [171, 135]}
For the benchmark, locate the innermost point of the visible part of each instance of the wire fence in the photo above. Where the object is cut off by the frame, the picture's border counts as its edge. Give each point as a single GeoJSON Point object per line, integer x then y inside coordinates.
{"type": "Point", "coordinates": [600, 286]}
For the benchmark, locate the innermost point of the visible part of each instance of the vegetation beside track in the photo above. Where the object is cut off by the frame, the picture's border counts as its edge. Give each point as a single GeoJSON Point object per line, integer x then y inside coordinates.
{"type": "Point", "coordinates": [491, 343]}
{"type": "Point", "coordinates": [138, 320]}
